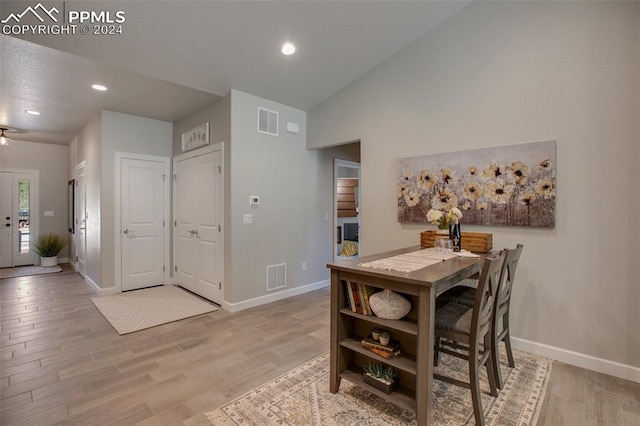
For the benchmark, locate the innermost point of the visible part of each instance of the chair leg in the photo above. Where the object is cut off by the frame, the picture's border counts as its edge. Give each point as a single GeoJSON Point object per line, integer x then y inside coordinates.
{"type": "Point", "coordinates": [492, 376]}
{"type": "Point", "coordinates": [495, 358]}
{"type": "Point", "coordinates": [436, 352]}
{"type": "Point", "coordinates": [507, 340]}
{"type": "Point", "coordinates": [474, 378]}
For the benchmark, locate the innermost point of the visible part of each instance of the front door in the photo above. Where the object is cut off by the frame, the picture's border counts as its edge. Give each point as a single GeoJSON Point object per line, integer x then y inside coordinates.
{"type": "Point", "coordinates": [198, 214]}
{"type": "Point", "coordinates": [142, 220]}
{"type": "Point", "coordinates": [19, 217]}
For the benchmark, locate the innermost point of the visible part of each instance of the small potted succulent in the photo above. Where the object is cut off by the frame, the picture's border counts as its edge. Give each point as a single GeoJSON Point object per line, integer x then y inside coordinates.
{"type": "Point", "coordinates": [381, 377]}
{"type": "Point", "coordinates": [384, 338]}
{"type": "Point", "coordinates": [375, 333]}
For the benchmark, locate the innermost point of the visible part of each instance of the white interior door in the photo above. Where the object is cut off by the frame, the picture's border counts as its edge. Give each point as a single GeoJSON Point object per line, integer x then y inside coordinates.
{"type": "Point", "coordinates": [19, 213]}
{"type": "Point", "coordinates": [142, 220]}
{"type": "Point", "coordinates": [199, 248]}
{"type": "Point", "coordinates": [186, 245]}
{"type": "Point", "coordinates": [81, 221]}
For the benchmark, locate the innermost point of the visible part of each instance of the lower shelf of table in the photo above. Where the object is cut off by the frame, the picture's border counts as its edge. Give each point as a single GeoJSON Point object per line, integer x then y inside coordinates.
{"type": "Point", "coordinates": [402, 397]}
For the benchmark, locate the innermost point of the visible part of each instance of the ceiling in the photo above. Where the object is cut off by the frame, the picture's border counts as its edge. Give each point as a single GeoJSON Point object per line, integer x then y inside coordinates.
{"type": "Point", "coordinates": [175, 57]}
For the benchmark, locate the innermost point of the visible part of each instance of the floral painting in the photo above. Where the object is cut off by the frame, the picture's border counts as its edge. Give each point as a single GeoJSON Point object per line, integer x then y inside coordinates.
{"type": "Point", "coordinates": [512, 185]}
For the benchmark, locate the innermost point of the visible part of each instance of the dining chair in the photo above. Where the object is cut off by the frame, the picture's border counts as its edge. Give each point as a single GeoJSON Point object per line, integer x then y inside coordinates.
{"type": "Point", "coordinates": [465, 295]}
{"type": "Point", "coordinates": [470, 327]}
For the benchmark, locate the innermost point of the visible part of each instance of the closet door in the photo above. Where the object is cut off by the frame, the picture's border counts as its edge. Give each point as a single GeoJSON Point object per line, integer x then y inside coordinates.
{"type": "Point", "coordinates": [198, 215]}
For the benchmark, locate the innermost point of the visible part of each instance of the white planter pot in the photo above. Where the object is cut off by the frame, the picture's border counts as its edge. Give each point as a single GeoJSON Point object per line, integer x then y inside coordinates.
{"type": "Point", "coordinates": [49, 261]}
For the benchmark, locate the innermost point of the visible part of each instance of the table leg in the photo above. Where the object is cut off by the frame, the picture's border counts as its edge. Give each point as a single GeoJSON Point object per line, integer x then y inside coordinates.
{"type": "Point", "coordinates": [334, 368]}
{"type": "Point", "coordinates": [424, 359]}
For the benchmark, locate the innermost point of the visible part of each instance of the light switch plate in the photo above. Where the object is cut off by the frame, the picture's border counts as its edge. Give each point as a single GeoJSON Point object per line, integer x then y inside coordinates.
{"type": "Point", "coordinates": [48, 213]}
{"type": "Point", "coordinates": [247, 219]}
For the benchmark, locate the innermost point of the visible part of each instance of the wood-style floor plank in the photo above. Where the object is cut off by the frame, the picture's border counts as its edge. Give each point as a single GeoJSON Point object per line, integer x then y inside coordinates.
{"type": "Point", "coordinates": [63, 363]}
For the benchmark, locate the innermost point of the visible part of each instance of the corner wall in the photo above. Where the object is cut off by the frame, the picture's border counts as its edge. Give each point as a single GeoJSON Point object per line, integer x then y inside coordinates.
{"type": "Point", "coordinates": [289, 225]}
{"type": "Point", "coordinates": [502, 73]}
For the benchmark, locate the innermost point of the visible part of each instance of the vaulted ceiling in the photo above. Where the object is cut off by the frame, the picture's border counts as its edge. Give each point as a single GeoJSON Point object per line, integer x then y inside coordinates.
{"type": "Point", "coordinates": [175, 57]}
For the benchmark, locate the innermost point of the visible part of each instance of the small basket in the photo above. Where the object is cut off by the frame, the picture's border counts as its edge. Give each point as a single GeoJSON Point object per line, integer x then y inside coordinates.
{"type": "Point", "coordinates": [478, 242]}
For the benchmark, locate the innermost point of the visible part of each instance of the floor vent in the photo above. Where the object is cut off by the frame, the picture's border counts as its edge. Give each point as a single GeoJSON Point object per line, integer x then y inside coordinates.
{"type": "Point", "coordinates": [276, 276]}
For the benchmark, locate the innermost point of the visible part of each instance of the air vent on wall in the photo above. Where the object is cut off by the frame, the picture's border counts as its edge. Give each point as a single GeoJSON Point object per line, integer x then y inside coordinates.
{"type": "Point", "coordinates": [267, 122]}
{"type": "Point", "coordinates": [276, 276]}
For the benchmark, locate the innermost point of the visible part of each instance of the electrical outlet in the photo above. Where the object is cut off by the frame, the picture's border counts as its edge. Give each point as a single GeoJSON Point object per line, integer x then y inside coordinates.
{"type": "Point", "coordinates": [304, 266]}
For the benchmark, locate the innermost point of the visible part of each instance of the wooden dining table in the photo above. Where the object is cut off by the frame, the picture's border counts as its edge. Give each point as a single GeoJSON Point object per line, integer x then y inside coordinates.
{"type": "Point", "coordinates": [415, 331]}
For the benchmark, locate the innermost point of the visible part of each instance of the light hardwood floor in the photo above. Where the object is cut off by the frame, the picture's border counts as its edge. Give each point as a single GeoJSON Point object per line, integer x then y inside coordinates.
{"type": "Point", "coordinates": [62, 363]}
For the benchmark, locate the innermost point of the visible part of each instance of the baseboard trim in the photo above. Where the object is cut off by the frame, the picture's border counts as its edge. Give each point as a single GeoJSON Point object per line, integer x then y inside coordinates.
{"type": "Point", "coordinates": [101, 291]}
{"type": "Point", "coordinates": [263, 300]}
{"type": "Point", "coordinates": [589, 362]}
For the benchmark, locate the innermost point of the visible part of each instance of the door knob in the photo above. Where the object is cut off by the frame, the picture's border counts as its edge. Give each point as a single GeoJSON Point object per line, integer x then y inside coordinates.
{"type": "Point", "coordinates": [126, 231]}
{"type": "Point", "coordinates": [7, 218]}
{"type": "Point", "coordinates": [7, 224]}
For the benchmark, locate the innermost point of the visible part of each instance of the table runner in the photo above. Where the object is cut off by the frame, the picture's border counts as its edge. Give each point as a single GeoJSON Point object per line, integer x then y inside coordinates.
{"type": "Point", "coordinates": [412, 261]}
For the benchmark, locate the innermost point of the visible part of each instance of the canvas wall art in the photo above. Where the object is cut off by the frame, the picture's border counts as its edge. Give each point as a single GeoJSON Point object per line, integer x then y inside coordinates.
{"type": "Point", "coordinates": [510, 185]}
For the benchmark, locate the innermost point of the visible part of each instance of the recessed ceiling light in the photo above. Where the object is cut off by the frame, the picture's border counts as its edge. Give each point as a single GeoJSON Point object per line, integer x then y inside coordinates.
{"type": "Point", "coordinates": [99, 87]}
{"type": "Point", "coordinates": [288, 49]}
{"type": "Point", "coordinates": [32, 112]}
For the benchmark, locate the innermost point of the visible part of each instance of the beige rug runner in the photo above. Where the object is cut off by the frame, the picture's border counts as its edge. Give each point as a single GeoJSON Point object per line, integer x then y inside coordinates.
{"type": "Point", "coordinates": [140, 309]}
{"type": "Point", "coordinates": [302, 397]}
{"type": "Point", "coordinates": [25, 271]}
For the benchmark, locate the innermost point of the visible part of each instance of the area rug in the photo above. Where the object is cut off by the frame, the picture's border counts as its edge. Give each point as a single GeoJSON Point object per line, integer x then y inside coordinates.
{"type": "Point", "coordinates": [149, 307]}
{"type": "Point", "coordinates": [302, 397]}
{"type": "Point", "coordinates": [25, 271]}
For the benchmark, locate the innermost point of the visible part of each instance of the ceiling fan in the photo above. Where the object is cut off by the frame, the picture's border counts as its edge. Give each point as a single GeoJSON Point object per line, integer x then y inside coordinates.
{"type": "Point", "coordinates": [4, 139]}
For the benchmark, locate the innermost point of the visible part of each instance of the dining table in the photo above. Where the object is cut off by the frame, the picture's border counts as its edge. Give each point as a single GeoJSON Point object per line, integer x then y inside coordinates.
{"type": "Point", "coordinates": [420, 285]}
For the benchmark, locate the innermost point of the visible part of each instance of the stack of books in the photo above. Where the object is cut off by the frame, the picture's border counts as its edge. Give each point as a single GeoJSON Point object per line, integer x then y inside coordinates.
{"type": "Point", "coordinates": [385, 351]}
{"type": "Point", "coordinates": [357, 297]}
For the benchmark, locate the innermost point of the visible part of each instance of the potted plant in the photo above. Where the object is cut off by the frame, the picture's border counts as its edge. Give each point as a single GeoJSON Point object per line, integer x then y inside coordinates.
{"type": "Point", "coordinates": [384, 338]}
{"type": "Point", "coordinates": [375, 333]}
{"type": "Point", "coordinates": [47, 247]}
{"type": "Point", "coordinates": [380, 377]}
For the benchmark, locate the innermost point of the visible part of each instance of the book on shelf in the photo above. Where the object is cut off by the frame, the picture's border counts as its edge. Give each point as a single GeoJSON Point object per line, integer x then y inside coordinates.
{"type": "Point", "coordinates": [365, 309]}
{"type": "Point", "coordinates": [347, 299]}
{"type": "Point", "coordinates": [356, 297]}
{"type": "Point", "coordinates": [368, 291]}
{"type": "Point", "coordinates": [385, 351]}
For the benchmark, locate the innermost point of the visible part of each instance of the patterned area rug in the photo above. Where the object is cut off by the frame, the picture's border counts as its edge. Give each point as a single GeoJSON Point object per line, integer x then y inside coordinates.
{"type": "Point", "coordinates": [140, 309]}
{"type": "Point", "coordinates": [302, 397]}
{"type": "Point", "coordinates": [25, 271]}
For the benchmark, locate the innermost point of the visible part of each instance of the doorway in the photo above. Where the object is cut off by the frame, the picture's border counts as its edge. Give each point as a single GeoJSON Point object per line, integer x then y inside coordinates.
{"type": "Point", "coordinates": [347, 189]}
{"type": "Point", "coordinates": [20, 215]}
{"type": "Point", "coordinates": [142, 218]}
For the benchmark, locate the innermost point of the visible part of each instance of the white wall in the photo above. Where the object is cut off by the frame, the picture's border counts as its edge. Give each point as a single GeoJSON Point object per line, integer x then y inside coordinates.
{"type": "Point", "coordinates": [53, 163]}
{"type": "Point", "coordinates": [502, 73]}
{"type": "Point", "coordinates": [288, 225]}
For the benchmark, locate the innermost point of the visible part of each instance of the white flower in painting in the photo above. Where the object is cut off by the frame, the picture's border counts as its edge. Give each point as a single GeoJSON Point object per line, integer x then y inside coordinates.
{"type": "Point", "coordinates": [412, 199]}
{"type": "Point", "coordinates": [546, 188]}
{"type": "Point", "coordinates": [403, 189]}
{"type": "Point", "coordinates": [426, 180]}
{"type": "Point", "coordinates": [407, 175]}
{"type": "Point", "coordinates": [498, 191]}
